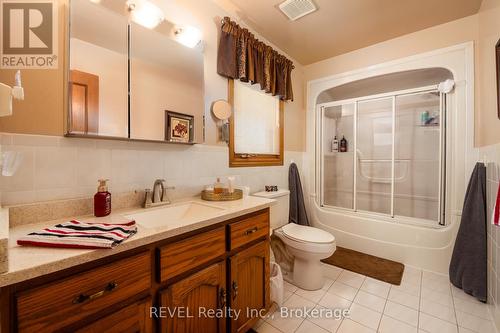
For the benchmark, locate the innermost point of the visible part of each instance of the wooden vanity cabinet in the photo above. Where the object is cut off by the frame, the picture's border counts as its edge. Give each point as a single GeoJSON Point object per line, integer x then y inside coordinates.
{"type": "Point", "coordinates": [246, 290]}
{"type": "Point", "coordinates": [248, 230]}
{"type": "Point", "coordinates": [66, 301]}
{"type": "Point", "coordinates": [134, 318]}
{"type": "Point", "coordinates": [184, 255]}
{"type": "Point", "coordinates": [159, 287]}
{"type": "Point", "coordinates": [249, 285]}
{"type": "Point", "coordinates": [190, 299]}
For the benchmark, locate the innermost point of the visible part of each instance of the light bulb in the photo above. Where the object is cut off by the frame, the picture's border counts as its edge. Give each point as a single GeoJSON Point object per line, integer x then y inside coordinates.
{"type": "Point", "coordinates": [188, 36]}
{"type": "Point", "coordinates": [145, 13]}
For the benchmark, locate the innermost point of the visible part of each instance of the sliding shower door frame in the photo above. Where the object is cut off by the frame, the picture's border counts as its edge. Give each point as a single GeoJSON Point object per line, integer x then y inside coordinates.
{"type": "Point", "coordinates": [442, 155]}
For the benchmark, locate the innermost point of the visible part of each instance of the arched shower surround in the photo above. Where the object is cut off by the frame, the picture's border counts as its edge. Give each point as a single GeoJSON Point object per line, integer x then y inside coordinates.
{"type": "Point", "coordinates": [382, 228]}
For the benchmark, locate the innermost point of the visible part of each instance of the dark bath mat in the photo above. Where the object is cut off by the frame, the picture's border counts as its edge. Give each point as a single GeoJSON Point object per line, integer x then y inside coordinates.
{"type": "Point", "coordinates": [374, 267]}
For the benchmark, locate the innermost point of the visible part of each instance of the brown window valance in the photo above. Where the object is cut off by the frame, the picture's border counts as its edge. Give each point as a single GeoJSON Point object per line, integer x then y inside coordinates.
{"type": "Point", "coordinates": [243, 57]}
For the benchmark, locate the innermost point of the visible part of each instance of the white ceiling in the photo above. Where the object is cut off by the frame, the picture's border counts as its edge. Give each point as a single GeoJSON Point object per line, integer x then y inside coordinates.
{"type": "Point", "coordinates": [341, 26]}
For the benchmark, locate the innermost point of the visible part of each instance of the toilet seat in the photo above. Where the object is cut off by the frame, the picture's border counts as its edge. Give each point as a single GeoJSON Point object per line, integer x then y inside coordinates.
{"type": "Point", "coordinates": [302, 233]}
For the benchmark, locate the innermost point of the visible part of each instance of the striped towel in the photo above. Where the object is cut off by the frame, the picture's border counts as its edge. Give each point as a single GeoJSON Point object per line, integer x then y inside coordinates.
{"type": "Point", "coordinates": [81, 235]}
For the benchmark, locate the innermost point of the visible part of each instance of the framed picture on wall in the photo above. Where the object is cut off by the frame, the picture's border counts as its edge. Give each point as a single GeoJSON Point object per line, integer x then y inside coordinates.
{"type": "Point", "coordinates": [179, 127]}
{"type": "Point", "coordinates": [497, 50]}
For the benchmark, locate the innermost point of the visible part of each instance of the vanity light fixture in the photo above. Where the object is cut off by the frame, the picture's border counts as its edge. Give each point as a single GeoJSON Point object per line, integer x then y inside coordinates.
{"type": "Point", "coordinates": [145, 13]}
{"type": "Point", "coordinates": [187, 36]}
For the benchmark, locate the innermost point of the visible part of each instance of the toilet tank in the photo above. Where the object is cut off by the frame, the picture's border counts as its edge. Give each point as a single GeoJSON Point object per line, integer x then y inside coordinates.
{"type": "Point", "coordinates": [279, 211]}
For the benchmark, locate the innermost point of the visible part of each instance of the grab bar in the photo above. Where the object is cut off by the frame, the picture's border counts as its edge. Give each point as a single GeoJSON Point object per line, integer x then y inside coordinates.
{"type": "Point", "coordinates": [382, 180]}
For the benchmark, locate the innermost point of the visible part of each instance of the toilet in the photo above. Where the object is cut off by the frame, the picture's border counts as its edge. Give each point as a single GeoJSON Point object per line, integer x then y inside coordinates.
{"type": "Point", "coordinates": [308, 245]}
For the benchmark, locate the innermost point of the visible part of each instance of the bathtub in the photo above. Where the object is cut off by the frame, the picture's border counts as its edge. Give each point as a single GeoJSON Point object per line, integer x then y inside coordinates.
{"type": "Point", "coordinates": [419, 246]}
{"type": "Point", "coordinates": [424, 246]}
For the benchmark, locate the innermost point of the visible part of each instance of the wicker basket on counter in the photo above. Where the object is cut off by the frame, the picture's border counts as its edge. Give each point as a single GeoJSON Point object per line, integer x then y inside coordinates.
{"type": "Point", "coordinates": [224, 196]}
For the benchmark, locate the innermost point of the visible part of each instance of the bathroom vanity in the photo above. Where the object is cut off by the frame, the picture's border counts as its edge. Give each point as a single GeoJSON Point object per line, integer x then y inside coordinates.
{"type": "Point", "coordinates": [161, 280]}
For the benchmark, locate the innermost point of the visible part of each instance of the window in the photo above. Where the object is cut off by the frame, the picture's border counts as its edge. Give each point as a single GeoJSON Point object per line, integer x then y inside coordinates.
{"type": "Point", "coordinates": [256, 126]}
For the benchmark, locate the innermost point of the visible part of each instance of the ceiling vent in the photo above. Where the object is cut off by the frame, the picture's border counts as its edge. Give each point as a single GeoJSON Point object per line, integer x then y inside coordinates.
{"type": "Point", "coordinates": [295, 9]}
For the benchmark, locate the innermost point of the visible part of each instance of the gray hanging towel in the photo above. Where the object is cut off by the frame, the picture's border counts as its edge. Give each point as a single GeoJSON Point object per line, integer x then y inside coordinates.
{"type": "Point", "coordinates": [468, 262]}
{"type": "Point", "coordinates": [297, 207]}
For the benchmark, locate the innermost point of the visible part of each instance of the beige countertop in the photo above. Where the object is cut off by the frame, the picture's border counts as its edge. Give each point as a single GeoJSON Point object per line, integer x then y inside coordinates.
{"type": "Point", "coordinates": [4, 239]}
{"type": "Point", "coordinates": [30, 262]}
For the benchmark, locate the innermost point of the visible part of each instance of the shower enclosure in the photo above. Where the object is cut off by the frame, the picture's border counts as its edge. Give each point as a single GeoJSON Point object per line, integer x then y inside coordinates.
{"type": "Point", "coordinates": [394, 166]}
{"type": "Point", "coordinates": [398, 191]}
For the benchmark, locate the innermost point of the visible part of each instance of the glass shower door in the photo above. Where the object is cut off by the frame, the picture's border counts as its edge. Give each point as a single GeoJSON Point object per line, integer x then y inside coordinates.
{"type": "Point", "coordinates": [374, 150]}
{"type": "Point", "coordinates": [417, 156]}
{"type": "Point", "coordinates": [338, 174]}
{"type": "Point", "coordinates": [394, 161]}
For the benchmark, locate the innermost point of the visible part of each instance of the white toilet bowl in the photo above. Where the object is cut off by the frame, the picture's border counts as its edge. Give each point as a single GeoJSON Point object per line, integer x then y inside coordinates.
{"type": "Point", "coordinates": [308, 245]}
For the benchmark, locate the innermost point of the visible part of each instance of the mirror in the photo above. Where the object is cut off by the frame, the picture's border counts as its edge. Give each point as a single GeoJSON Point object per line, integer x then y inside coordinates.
{"type": "Point", "coordinates": [98, 78]}
{"type": "Point", "coordinates": [165, 76]}
{"type": "Point", "coordinates": [221, 109]}
{"type": "Point", "coordinates": [132, 82]}
{"type": "Point", "coordinates": [256, 128]}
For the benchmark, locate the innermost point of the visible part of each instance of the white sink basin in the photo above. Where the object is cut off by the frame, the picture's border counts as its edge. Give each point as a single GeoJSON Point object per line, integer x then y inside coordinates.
{"type": "Point", "coordinates": [175, 215]}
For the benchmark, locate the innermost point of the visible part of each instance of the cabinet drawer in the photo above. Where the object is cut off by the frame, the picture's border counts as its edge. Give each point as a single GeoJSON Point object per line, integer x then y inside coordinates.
{"type": "Point", "coordinates": [181, 256]}
{"type": "Point", "coordinates": [249, 229]}
{"type": "Point", "coordinates": [134, 318]}
{"type": "Point", "coordinates": [66, 301]}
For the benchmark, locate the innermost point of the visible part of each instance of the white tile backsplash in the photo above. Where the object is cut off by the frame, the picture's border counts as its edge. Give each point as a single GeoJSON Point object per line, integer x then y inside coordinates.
{"type": "Point", "coordinates": [56, 168]}
{"type": "Point", "coordinates": [490, 154]}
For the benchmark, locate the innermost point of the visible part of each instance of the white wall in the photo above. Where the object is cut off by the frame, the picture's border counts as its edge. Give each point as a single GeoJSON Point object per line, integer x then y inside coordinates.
{"type": "Point", "coordinates": [487, 109]}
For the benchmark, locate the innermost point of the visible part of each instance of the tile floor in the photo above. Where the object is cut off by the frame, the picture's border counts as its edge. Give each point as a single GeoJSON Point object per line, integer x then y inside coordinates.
{"type": "Point", "coordinates": [425, 302]}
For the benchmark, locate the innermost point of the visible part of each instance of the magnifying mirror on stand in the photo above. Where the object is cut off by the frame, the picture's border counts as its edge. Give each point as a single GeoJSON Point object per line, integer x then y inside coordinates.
{"type": "Point", "coordinates": [222, 111]}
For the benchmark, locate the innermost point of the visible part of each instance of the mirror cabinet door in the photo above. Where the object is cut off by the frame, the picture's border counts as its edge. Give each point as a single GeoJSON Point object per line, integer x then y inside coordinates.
{"type": "Point", "coordinates": [98, 78]}
{"type": "Point", "coordinates": [128, 81]}
{"type": "Point", "coordinates": [166, 86]}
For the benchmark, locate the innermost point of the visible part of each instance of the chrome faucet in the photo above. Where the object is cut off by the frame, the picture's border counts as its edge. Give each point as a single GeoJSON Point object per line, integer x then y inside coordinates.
{"type": "Point", "coordinates": [159, 195]}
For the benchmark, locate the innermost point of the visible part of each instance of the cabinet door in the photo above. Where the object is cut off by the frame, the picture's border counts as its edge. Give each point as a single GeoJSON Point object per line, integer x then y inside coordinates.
{"type": "Point", "coordinates": [131, 319]}
{"type": "Point", "coordinates": [185, 304]}
{"type": "Point", "coordinates": [249, 285]}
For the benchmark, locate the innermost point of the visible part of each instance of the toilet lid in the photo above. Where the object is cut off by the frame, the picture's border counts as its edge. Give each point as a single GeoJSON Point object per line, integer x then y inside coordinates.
{"type": "Point", "coordinates": [307, 234]}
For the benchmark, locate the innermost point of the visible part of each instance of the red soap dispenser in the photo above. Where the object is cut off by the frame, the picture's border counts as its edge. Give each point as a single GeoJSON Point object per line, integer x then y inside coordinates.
{"type": "Point", "coordinates": [102, 199]}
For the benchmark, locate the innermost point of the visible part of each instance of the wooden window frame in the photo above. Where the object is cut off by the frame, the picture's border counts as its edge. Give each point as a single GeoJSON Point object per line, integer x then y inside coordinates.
{"type": "Point", "coordinates": [254, 160]}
